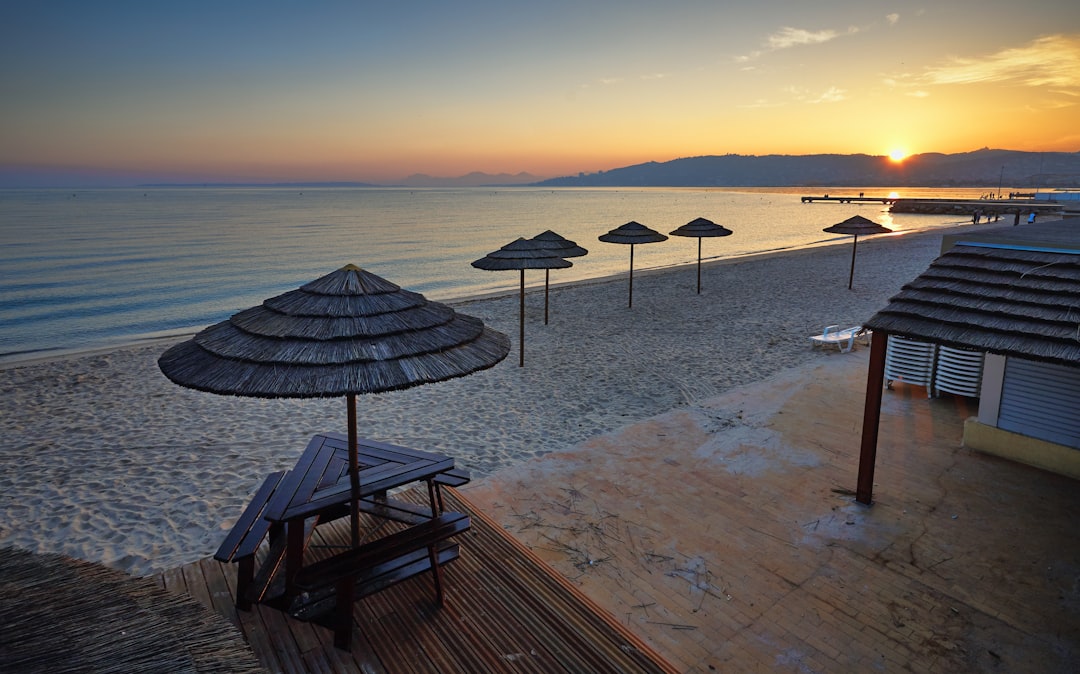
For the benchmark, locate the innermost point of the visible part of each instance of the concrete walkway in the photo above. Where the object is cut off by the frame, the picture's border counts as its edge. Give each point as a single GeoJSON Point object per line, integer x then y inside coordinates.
{"type": "Point", "coordinates": [727, 536]}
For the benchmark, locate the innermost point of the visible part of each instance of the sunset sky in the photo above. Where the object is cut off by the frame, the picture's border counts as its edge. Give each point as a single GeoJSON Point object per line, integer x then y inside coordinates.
{"type": "Point", "coordinates": [126, 92]}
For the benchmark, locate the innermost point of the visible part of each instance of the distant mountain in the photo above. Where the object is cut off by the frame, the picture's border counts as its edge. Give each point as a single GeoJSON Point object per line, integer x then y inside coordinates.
{"type": "Point", "coordinates": [981, 168]}
{"type": "Point", "coordinates": [310, 185]}
{"type": "Point", "coordinates": [474, 179]}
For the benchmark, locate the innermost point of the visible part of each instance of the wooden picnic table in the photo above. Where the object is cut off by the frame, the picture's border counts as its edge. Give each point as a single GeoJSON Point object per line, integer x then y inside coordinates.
{"type": "Point", "coordinates": [318, 486]}
{"type": "Point", "coordinates": [291, 503]}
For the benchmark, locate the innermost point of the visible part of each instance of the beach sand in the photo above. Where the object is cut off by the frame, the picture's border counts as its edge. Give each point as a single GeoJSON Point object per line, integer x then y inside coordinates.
{"type": "Point", "coordinates": [104, 459]}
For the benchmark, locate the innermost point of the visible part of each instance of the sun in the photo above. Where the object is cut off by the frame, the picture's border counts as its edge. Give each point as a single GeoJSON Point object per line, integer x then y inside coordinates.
{"type": "Point", "coordinates": [898, 154]}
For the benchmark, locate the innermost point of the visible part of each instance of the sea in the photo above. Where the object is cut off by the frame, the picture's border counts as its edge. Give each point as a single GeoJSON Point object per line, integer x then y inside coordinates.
{"type": "Point", "coordinates": [87, 268]}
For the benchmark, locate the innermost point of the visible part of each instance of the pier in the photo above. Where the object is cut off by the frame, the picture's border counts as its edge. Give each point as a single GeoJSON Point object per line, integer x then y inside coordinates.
{"type": "Point", "coordinates": [959, 207]}
{"type": "Point", "coordinates": [861, 199]}
{"type": "Point", "coordinates": [985, 207]}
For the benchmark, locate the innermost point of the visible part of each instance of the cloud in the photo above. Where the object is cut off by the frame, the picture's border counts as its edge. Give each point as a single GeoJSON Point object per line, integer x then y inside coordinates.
{"type": "Point", "coordinates": [788, 37]}
{"type": "Point", "coordinates": [830, 95]}
{"type": "Point", "coordinates": [893, 19]}
{"type": "Point", "coordinates": [796, 37]}
{"type": "Point", "coordinates": [1051, 61]}
{"type": "Point", "coordinates": [799, 95]}
{"type": "Point", "coordinates": [760, 103]}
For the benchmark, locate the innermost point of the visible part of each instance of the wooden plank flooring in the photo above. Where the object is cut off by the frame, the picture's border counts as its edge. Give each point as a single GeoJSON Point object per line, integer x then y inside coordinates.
{"type": "Point", "coordinates": [505, 611]}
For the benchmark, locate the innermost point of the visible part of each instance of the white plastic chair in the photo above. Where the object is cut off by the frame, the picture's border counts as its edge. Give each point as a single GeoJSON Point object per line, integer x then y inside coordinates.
{"type": "Point", "coordinates": [842, 339]}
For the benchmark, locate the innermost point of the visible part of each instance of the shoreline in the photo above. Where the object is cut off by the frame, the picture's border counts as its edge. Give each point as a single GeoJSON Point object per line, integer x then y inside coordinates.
{"type": "Point", "coordinates": [106, 460]}
{"type": "Point", "coordinates": [167, 338]}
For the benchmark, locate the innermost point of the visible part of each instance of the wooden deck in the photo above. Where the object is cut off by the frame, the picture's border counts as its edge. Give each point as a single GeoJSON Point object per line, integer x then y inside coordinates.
{"type": "Point", "coordinates": [506, 611]}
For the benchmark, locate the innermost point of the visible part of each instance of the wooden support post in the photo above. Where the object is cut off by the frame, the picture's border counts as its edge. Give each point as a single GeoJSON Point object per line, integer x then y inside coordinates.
{"type": "Point", "coordinates": [521, 323]}
{"type": "Point", "coordinates": [851, 274]}
{"type": "Point", "coordinates": [875, 382]}
{"type": "Point", "coordinates": [354, 472]}
{"type": "Point", "coordinates": [699, 265]}
{"type": "Point", "coordinates": [294, 553]}
{"type": "Point", "coordinates": [547, 278]}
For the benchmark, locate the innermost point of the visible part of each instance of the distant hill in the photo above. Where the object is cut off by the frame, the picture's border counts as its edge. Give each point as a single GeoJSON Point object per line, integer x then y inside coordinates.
{"type": "Point", "coordinates": [309, 185]}
{"type": "Point", "coordinates": [474, 179]}
{"type": "Point", "coordinates": [981, 168]}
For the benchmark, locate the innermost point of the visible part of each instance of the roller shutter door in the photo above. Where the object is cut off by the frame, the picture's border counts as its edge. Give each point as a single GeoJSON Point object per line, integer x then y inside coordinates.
{"type": "Point", "coordinates": [1041, 400]}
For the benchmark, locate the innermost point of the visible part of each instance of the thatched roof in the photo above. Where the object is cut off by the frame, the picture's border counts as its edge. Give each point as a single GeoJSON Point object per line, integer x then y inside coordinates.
{"type": "Point", "coordinates": [523, 253]}
{"type": "Point", "coordinates": [59, 614]}
{"type": "Point", "coordinates": [701, 227]}
{"type": "Point", "coordinates": [857, 225]}
{"type": "Point", "coordinates": [633, 232]}
{"type": "Point", "coordinates": [565, 247]}
{"type": "Point", "coordinates": [345, 333]}
{"type": "Point", "coordinates": [1010, 301]}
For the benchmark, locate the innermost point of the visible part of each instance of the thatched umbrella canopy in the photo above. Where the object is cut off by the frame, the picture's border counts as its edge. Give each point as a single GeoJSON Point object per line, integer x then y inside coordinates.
{"type": "Point", "coordinates": [565, 248]}
{"type": "Point", "coordinates": [700, 228]}
{"type": "Point", "coordinates": [522, 254]}
{"type": "Point", "coordinates": [632, 233]}
{"type": "Point", "coordinates": [346, 333]}
{"type": "Point", "coordinates": [59, 614]}
{"type": "Point", "coordinates": [856, 225]}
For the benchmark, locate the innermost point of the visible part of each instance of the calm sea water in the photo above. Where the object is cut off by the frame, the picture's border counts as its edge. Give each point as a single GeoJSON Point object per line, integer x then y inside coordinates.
{"type": "Point", "coordinates": [87, 268]}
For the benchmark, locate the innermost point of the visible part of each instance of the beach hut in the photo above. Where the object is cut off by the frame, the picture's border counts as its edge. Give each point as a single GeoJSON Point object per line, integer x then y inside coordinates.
{"type": "Point", "coordinates": [1012, 294]}
{"type": "Point", "coordinates": [565, 248]}
{"type": "Point", "coordinates": [522, 254]}
{"type": "Point", "coordinates": [632, 233]}
{"type": "Point", "coordinates": [347, 333]}
{"type": "Point", "coordinates": [856, 225]}
{"type": "Point", "coordinates": [700, 228]}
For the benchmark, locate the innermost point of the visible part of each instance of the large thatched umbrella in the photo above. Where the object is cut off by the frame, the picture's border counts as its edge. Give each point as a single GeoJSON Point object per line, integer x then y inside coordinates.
{"type": "Point", "coordinates": [346, 333]}
{"type": "Point", "coordinates": [700, 228]}
{"type": "Point", "coordinates": [632, 233]}
{"type": "Point", "coordinates": [565, 248]}
{"type": "Point", "coordinates": [59, 614]}
{"type": "Point", "coordinates": [522, 254]}
{"type": "Point", "coordinates": [856, 225]}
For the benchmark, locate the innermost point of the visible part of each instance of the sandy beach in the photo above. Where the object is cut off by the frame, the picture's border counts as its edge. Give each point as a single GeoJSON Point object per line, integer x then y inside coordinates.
{"type": "Point", "coordinates": [104, 459]}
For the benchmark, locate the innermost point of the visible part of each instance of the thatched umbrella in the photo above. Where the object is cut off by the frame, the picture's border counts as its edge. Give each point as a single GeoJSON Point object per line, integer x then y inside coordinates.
{"type": "Point", "coordinates": [59, 614]}
{"type": "Point", "coordinates": [856, 225]}
{"type": "Point", "coordinates": [522, 254]}
{"type": "Point", "coordinates": [565, 248]}
{"type": "Point", "coordinates": [700, 228]}
{"type": "Point", "coordinates": [346, 333]}
{"type": "Point", "coordinates": [632, 233]}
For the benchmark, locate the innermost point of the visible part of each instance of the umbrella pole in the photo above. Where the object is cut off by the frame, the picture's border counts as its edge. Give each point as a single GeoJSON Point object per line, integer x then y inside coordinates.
{"type": "Point", "coordinates": [631, 304]}
{"type": "Point", "coordinates": [851, 276]}
{"type": "Point", "coordinates": [699, 265]}
{"type": "Point", "coordinates": [354, 471]}
{"type": "Point", "coordinates": [521, 321]}
{"type": "Point", "coordinates": [547, 275]}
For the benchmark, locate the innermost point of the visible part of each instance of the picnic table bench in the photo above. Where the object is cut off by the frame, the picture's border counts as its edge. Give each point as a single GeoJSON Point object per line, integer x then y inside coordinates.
{"type": "Point", "coordinates": [243, 541]}
{"type": "Point", "coordinates": [330, 586]}
{"type": "Point", "coordinates": [290, 504]}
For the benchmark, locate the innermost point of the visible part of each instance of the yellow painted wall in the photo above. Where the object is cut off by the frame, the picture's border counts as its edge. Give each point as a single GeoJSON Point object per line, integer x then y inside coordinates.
{"type": "Point", "coordinates": [1032, 451]}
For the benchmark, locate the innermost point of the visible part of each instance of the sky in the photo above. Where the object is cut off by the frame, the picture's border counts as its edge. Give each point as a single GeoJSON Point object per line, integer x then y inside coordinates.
{"type": "Point", "coordinates": [237, 91]}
